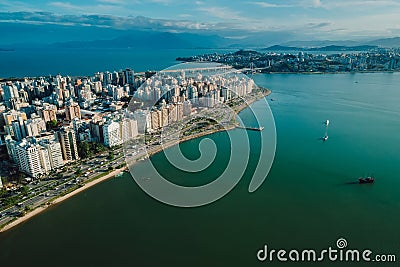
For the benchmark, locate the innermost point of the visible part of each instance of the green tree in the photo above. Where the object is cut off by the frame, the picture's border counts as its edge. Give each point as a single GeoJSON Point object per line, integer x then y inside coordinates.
{"type": "Point", "coordinates": [24, 190]}
{"type": "Point", "coordinates": [3, 193]}
{"type": "Point", "coordinates": [111, 156]}
{"type": "Point", "coordinates": [84, 150]}
{"type": "Point", "coordinates": [97, 147]}
{"type": "Point", "coordinates": [78, 171]}
{"type": "Point", "coordinates": [52, 124]}
{"type": "Point", "coordinates": [12, 200]}
{"type": "Point", "coordinates": [20, 176]}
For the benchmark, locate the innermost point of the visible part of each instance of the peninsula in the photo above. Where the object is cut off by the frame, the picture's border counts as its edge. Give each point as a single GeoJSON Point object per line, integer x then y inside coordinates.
{"type": "Point", "coordinates": [280, 59]}
{"type": "Point", "coordinates": [62, 135]}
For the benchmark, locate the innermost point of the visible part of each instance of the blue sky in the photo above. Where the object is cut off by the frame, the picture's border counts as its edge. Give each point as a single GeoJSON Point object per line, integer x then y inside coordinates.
{"type": "Point", "coordinates": [308, 19]}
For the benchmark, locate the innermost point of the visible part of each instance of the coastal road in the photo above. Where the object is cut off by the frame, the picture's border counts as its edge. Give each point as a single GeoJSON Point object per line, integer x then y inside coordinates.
{"type": "Point", "coordinates": [42, 192]}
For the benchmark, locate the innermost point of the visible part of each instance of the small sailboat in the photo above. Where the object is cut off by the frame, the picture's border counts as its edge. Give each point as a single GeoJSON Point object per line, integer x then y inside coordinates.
{"type": "Point", "coordinates": [325, 138]}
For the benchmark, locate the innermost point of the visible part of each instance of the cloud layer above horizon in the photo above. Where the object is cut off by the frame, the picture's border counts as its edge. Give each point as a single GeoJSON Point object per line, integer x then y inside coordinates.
{"type": "Point", "coordinates": [304, 19]}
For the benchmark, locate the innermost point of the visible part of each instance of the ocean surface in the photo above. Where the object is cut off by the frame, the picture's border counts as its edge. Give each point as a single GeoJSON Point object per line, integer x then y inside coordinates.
{"type": "Point", "coordinates": [308, 201]}
{"type": "Point", "coordinates": [74, 62]}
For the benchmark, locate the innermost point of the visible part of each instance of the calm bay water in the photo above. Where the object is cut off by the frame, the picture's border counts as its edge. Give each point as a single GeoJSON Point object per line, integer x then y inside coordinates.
{"type": "Point", "coordinates": [307, 201]}
{"type": "Point", "coordinates": [75, 62]}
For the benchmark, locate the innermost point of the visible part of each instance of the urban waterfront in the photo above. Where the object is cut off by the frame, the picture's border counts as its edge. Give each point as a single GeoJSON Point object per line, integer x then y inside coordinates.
{"type": "Point", "coordinates": [309, 199]}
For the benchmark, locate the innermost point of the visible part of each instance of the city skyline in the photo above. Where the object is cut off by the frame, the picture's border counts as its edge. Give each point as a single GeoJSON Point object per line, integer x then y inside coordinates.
{"type": "Point", "coordinates": [285, 20]}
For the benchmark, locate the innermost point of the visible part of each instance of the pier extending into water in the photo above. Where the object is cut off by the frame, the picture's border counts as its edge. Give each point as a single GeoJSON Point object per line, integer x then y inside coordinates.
{"type": "Point", "coordinates": [259, 129]}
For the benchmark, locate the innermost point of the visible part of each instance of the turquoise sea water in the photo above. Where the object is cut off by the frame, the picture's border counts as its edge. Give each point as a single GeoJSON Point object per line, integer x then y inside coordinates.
{"type": "Point", "coordinates": [308, 200]}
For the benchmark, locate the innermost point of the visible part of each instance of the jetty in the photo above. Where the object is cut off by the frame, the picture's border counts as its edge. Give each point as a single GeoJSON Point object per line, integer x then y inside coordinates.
{"type": "Point", "coordinates": [259, 129]}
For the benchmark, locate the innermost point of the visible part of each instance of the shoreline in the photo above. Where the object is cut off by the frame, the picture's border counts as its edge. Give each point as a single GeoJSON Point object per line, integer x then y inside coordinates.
{"type": "Point", "coordinates": [112, 174]}
{"type": "Point", "coordinates": [185, 139]}
{"type": "Point", "coordinates": [58, 200]}
{"type": "Point", "coordinates": [330, 72]}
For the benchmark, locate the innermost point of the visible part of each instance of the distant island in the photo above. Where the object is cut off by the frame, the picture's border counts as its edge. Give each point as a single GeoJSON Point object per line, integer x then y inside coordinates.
{"type": "Point", "coordinates": [322, 48]}
{"type": "Point", "coordinates": [6, 50]}
{"type": "Point", "coordinates": [282, 59]}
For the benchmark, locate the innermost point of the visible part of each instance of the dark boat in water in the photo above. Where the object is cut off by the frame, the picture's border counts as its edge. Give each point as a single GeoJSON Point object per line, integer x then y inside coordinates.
{"type": "Point", "coordinates": [367, 180]}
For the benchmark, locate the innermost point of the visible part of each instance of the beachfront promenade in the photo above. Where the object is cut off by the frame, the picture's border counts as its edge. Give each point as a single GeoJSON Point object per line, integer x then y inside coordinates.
{"type": "Point", "coordinates": [99, 168]}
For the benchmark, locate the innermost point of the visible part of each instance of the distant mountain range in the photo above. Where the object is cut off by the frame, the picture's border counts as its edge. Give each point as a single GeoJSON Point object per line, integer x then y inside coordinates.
{"type": "Point", "coordinates": [152, 40]}
{"type": "Point", "coordinates": [49, 30]}
{"type": "Point", "coordinates": [323, 48]}
{"type": "Point", "coordinates": [385, 42]}
{"type": "Point", "coordinates": [61, 36]}
{"type": "Point", "coordinates": [168, 40]}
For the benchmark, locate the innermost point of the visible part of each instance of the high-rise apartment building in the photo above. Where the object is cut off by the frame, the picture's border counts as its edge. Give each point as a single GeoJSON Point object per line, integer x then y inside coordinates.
{"type": "Point", "coordinates": [48, 112]}
{"type": "Point", "coordinates": [29, 158]}
{"type": "Point", "coordinates": [35, 126]}
{"type": "Point", "coordinates": [44, 159]}
{"type": "Point", "coordinates": [54, 151]}
{"type": "Point", "coordinates": [11, 146]}
{"type": "Point", "coordinates": [13, 115]}
{"type": "Point", "coordinates": [72, 110]}
{"type": "Point", "coordinates": [112, 134]}
{"type": "Point", "coordinates": [69, 148]}
{"type": "Point", "coordinates": [129, 129]}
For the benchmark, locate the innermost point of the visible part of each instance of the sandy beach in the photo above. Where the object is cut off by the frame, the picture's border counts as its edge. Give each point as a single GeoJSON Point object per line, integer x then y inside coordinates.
{"type": "Point", "coordinates": [39, 210]}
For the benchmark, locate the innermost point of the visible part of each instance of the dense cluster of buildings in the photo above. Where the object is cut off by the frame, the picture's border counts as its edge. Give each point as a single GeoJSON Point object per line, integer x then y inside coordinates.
{"type": "Point", "coordinates": [374, 60]}
{"type": "Point", "coordinates": [176, 94]}
{"type": "Point", "coordinates": [43, 120]}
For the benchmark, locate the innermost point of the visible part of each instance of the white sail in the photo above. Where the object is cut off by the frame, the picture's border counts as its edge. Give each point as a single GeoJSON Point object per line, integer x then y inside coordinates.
{"type": "Point", "coordinates": [327, 122]}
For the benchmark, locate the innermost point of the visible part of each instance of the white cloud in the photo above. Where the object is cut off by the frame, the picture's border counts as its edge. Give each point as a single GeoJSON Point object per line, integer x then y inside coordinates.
{"type": "Point", "coordinates": [95, 9]}
{"type": "Point", "coordinates": [65, 5]}
{"type": "Point", "coordinates": [164, 2]}
{"type": "Point", "coordinates": [112, 1]}
{"type": "Point", "coordinates": [185, 15]}
{"type": "Point", "coordinates": [329, 4]}
{"type": "Point", "coordinates": [316, 3]}
{"type": "Point", "coordinates": [221, 13]}
{"type": "Point", "coordinates": [320, 18]}
{"type": "Point", "coordinates": [18, 6]}
{"type": "Point", "coordinates": [270, 5]}
{"type": "Point", "coordinates": [350, 3]}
